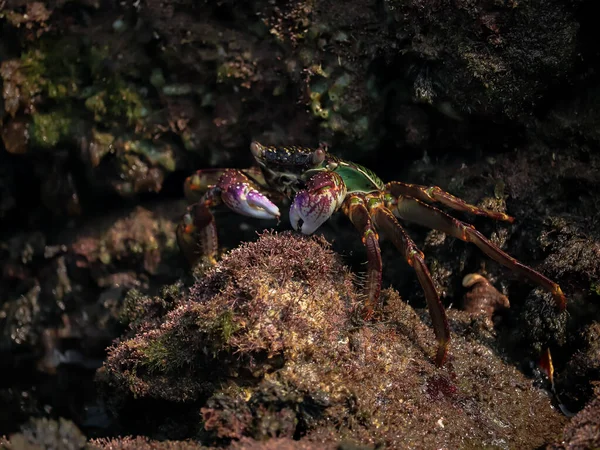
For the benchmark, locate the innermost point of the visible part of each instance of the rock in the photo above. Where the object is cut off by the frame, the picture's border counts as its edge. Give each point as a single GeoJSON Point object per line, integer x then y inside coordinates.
{"type": "Point", "coordinates": [268, 344]}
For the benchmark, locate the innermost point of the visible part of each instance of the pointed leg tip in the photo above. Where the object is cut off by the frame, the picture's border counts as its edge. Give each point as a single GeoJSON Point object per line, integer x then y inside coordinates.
{"type": "Point", "coordinates": [503, 217]}
{"type": "Point", "coordinates": [547, 365]}
{"type": "Point", "coordinates": [441, 356]}
{"type": "Point", "coordinates": [442, 353]}
{"type": "Point", "coordinates": [559, 297]}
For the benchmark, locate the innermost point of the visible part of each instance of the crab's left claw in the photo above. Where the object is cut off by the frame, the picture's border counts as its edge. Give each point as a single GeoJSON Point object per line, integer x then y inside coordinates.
{"type": "Point", "coordinates": [247, 201]}
{"type": "Point", "coordinates": [324, 194]}
{"type": "Point", "coordinates": [240, 194]}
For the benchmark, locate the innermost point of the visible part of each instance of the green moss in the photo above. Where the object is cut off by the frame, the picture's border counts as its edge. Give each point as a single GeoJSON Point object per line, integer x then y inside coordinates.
{"type": "Point", "coordinates": [49, 129]}
{"type": "Point", "coordinates": [124, 102]}
{"type": "Point", "coordinates": [163, 156]}
{"type": "Point", "coordinates": [336, 99]}
{"type": "Point", "coordinates": [57, 91]}
{"type": "Point", "coordinates": [131, 311]}
{"type": "Point", "coordinates": [115, 102]}
{"type": "Point", "coordinates": [171, 291]}
{"type": "Point", "coordinates": [56, 68]}
{"type": "Point", "coordinates": [32, 68]}
{"type": "Point", "coordinates": [227, 326]}
{"type": "Point", "coordinates": [316, 100]}
{"type": "Point", "coordinates": [100, 146]}
{"type": "Point", "coordinates": [336, 90]}
{"type": "Point", "coordinates": [157, 355]}
{"type": "Point", "coordinates": [96, 104]}
{"type": "Point", "coordinates": [52, 68]}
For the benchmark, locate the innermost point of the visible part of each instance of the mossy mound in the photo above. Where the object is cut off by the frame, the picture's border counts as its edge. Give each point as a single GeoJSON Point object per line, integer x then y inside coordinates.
{"type": "Point", "coordinates": [267, 344]}
{"type": "Point", "coordinates": [263, 304]}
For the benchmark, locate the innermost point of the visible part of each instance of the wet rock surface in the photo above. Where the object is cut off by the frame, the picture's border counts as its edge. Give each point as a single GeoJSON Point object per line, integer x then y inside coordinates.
{"type": "Point", "coordinates": [106, 107]}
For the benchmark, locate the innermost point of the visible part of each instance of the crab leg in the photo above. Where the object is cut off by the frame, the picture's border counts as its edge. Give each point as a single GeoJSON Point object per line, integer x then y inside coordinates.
{"type": "Point", "coordinates": [354, 207]}
{"type": "Point", "coordinates": [429, 216]}
{"type": "Point", "coordinates": [385, 221]}
{"type": "Point", "coordinates": [197, 234]}
{"type": "Point", "coordinates": [434, 194]}
{"type": "Point", "coordinates": [197, 231]}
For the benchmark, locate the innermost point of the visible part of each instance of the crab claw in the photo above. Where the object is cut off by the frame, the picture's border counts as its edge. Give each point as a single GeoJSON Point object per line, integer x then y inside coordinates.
{"type": "Point", "coordinates": [324, 194]}
{"type": "Point", "coordinates": [239, 194]}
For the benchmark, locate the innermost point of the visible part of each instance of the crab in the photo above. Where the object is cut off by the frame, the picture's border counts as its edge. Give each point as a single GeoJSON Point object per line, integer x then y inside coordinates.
{"type": "Point", "coordinates": [319, 184]}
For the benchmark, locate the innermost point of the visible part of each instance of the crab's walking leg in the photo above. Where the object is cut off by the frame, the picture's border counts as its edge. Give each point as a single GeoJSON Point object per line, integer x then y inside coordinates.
{"type": "Point", "coordinates": [354, 207]}
{"type": "Point", "coordinates": [197, 234]}
{"type": "Point", "coordinates": [429, 216]}
{"type": "Point", "coordinates": [197, 231]}
{"type": "Point", "coordinates": [385, 221]}
{"type": "Point", "coordinates": [434, 194]}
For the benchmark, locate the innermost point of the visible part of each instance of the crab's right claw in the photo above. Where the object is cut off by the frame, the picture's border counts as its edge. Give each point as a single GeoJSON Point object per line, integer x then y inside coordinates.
{"type": "Point", "coordinates": [324, 194]}
{"type": "Point", "coordinates": [239, 194]}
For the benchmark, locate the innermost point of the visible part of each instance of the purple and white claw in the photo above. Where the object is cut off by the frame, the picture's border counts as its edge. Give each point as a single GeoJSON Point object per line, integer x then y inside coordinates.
{"type": "Point", "coordinates": [324, 194]}
{"type": "Point", "coordinates": [244, 199]}
{"type": "Point", "coordinates": [240, 194]}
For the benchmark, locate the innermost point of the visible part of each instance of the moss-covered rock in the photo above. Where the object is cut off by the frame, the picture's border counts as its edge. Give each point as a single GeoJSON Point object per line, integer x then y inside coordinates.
{"type": "Point", "coordinates": [267, 344]}
{"type": "Point", "coordinates": [142, 241]}
{"type": "Point", "coordinates": [583, 431]}
{"type": "Point", "coordinates": [217, 331]}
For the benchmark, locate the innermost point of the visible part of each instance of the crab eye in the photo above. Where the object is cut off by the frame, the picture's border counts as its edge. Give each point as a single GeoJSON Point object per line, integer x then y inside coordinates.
{"type": "Point", "coordinates": [319, 155]}
{"type": "Point", "coordinates": [257, 149]}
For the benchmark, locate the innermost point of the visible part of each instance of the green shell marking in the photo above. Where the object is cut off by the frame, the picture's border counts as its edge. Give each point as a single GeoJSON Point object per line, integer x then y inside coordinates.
{"type": "Point", "coordinates": [358, 178]}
